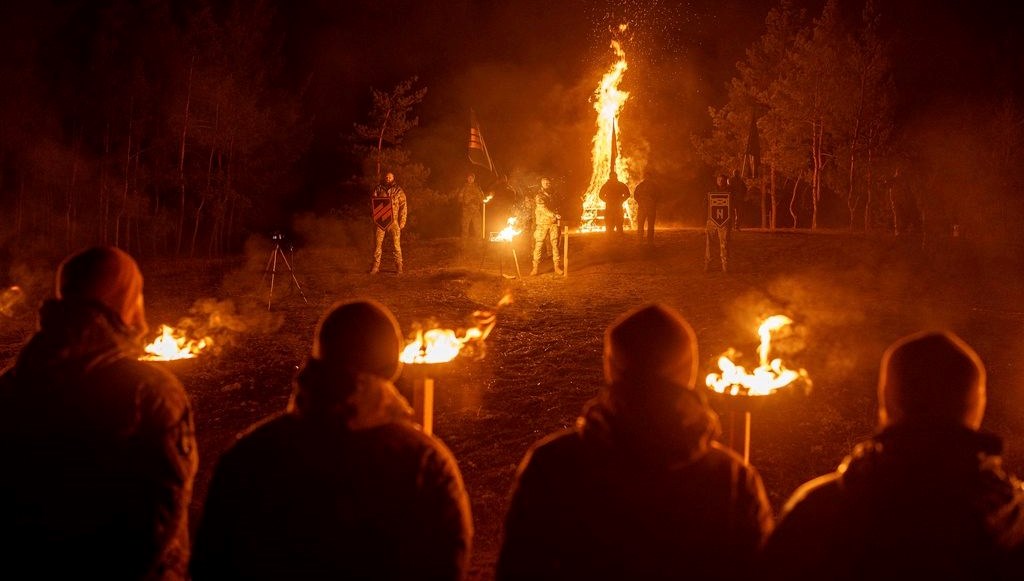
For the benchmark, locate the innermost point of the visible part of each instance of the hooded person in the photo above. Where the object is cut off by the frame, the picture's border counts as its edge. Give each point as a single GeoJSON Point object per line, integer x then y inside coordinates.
{"type": "Point", "coordinates": [99, 446]}
{"type": "Point", "coordinates": [926, 496]}
{"type": "Point", "coordinates": [638, 488]}
{"type": "Point", "coordinates": [342, 484]}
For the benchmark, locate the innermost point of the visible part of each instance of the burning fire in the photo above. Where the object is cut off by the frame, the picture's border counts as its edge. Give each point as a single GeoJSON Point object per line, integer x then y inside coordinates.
{"type": "Point", "coordinates": [608, 101]}
{"type": "Point", "coordinates": [443, 345]}
{"type": "Point", "coordinates": [171, 345]}
{"type": "Point", "coordinates": [509, 232]}
{"type": "Point", "coordinates": [769, 375]}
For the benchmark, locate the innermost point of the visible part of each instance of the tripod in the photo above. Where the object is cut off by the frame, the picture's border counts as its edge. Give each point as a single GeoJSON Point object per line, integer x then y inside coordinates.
{"type": "Point", "coordinates": [272, 270]}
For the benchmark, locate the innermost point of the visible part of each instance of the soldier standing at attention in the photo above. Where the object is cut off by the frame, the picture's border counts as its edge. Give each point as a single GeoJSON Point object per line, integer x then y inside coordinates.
{"type": "Point", "coordinates": [719, 221]}
{"type": "Point", "coordinates": [471, 198]}
{"type": "Point", "coordinates": [613, 193]}
{"type": "Point", "coordinates": [389, 214]}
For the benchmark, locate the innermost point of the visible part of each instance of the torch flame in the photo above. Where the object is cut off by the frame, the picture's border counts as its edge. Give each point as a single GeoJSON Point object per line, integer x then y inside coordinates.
{"type": "Point", "coordinates": [443, 345]}
{"type": "Point", "coordinates": [770, 374]}
{"type": "Point", "coordinates": [171, 345]}
{"type": "Point", "coordinates": [509, 232]}
{"type": "Point", "coordinates": [608, 101]}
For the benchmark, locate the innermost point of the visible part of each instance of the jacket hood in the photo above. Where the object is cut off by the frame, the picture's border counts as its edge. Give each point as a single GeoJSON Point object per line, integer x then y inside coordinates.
{"type": "Point", "coordinates": [656, 434]}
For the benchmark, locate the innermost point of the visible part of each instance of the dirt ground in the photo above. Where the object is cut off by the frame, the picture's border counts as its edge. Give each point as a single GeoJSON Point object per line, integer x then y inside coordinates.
{"type": "Point", "coordinates": [849, 296]}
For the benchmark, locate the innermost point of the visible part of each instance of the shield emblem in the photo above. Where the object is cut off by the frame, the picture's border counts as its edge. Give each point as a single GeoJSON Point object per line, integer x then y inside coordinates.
{"type": "Point", "coordinates": [383, 212]}
{"type": "Point", "coordinates": [718, 208]}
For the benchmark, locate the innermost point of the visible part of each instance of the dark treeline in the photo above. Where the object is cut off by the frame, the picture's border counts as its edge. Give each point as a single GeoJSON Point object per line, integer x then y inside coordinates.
{"type": "Point", "coordinates": [162, 128]}
{"type": "Point", "coordinates": [836, 112]}
{"type": "Point", "coordinates": [181, 128]}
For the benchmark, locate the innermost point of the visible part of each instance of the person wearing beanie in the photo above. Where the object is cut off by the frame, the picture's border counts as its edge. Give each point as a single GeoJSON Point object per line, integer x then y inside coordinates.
{"type": "Point", "coordinates": [342, 484]}
{"type": "Point", "coordinates": [638, 488]}
{"type": "Point", "coordinates": [926, 497]}
{"type": "Point", "coordinates": [99, 447]}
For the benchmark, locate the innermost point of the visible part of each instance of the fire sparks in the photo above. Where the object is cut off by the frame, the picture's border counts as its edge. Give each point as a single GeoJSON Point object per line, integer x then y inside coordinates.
{"type": "Point", "coordinates": [443, 345]}
{"type": "Point", "coordinates": [171, 345]}
{"type": "Point", "coordinates": [769, 375]}
{"type": "Point", "coordinates": [608, 101]}
{"type": "Point", "coordinates": [509, 232]}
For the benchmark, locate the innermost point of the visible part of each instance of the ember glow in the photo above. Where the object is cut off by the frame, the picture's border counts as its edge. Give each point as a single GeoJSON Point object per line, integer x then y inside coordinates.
{"type": "Point", "coordinates": [171, 345]}
{"type": "Point", "coordinates": [608, 101]}
{"type": "Point", "coordinates": [509, 232]}
{"type": "Point", "coordinates": [443, 345]}
{"type": "Point", "coordinates": [768, 376]}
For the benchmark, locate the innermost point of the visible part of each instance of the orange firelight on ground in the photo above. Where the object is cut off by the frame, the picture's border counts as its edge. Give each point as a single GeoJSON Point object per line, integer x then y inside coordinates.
{"type": "Point", "coordinates": [608, 101]}
{"type": "Point", "coordinates": [769, 376]}
{"type": "Point", "coordinates": [172, 344]}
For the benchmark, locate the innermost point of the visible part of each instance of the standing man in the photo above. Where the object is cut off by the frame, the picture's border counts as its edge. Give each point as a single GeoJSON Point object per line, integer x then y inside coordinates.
{"type": "Point", "coordinates": [646, 194]}
{"type": "Point", "coordinates": [545, 226]}
{"type": "Point", "coordinates": [389, 214]}
{"type": "Point", "coordinates": [738, 189]}
{"type": "Point", "coordinates": [471, 197]}
{"type": "Point", "coordinates": [613, 193]}
{"type": "Point", "coordinates": [99, 448]}
{"type": "Point", "coordinates": [719, 222]}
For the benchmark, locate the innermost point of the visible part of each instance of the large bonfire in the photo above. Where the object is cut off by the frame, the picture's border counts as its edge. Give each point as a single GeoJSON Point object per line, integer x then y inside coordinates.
{"type": "Point", "coordinates": [608, 101]}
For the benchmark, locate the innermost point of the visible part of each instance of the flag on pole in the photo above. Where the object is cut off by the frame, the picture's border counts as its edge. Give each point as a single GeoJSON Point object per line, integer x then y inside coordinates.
{"type": "Point", "coordinates": [477, 147]}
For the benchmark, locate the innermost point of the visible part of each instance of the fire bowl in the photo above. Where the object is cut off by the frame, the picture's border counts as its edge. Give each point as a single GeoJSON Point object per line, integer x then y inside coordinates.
{"type": "Point", "coordinates": [722, 402]}
{"type": "Point", "coordinates": [425, 370]}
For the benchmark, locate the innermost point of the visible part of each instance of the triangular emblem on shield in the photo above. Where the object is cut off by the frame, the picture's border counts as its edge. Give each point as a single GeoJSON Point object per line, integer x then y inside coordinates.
{"type": "Point", "coordinates": [383, 212]}
{"type": "Point", "coordinates": [718, 208]}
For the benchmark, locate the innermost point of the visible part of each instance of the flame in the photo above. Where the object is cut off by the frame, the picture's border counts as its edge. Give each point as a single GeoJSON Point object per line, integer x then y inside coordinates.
{"type": "Point", "coordinates": [172, 344]}
{"type": "Point", "coordinates": [509, 232]}
{"type": "Point", "coordinates": [608, 101]}
{"type": "Point", "coordinates": [443, 345]}
{"type": "Point", "coordinates": [769, 375]}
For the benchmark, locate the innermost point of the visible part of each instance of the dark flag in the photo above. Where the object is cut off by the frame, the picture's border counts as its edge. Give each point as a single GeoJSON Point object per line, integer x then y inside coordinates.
{"type": "Point", "coordinates": [477, 147]}
{"type": "Point", "coordinates": [752, 153]}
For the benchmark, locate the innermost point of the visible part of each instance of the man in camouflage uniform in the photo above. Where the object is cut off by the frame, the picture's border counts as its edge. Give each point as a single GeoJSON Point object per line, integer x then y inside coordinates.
{"type": "Point", "coordinates": [471, 197]}
{"type": "Point", "coordinates": [545, 226]}
{"type": "Point", "coordinates": [389, 219]}
{"type": "Point", "coordinates": [719, 222]}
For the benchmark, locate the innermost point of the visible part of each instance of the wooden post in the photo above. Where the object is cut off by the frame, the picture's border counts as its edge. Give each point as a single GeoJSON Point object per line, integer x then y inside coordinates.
{"type": "Point", "coordinates": [423, 403]}
{"type": "Point", "coordinates": [565, 251]}
{"type": "Point", "coordinates": [746, 438]}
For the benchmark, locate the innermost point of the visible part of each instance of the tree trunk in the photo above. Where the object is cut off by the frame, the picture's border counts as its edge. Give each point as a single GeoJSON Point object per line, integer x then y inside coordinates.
{"type": "Point", "coordinates": [792, 200]}
{"type": "Point", "coordinates": [123, 212]}
{"type": "Point", "coordinates": [774, 207]}
{"type": "Point", "coordinates": [181, 158]}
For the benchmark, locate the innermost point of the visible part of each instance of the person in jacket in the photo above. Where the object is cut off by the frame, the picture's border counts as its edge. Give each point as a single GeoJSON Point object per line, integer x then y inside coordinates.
{"type": "Point", "coordinates": [613, 193]}
{"type": "Point", "coordinates": [925, 498]}
{"type": "Point", "coordinates": [342, 485]}
{"type": "Point", "coordinates": [638, 488]}
{"type": "Point", "coordinates": [389, 215]}
{"type": "Point", "coordinates": [99, 448]}
{"type": "Point", "coordinates": [545, 227]}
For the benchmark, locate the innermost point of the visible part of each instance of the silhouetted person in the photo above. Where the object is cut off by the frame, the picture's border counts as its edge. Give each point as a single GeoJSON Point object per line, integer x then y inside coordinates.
{"type": "Point", "coordinates": [613, 193]}
{"type": "Point", "coordinates": [342, 485]}
{"type": "Point", "coordinates": [637, 489]}
{"type": "Point", "coordinates": [647, 193]}
{"type": "Point", "coordinates": [738, 189]}
{"type": "Point", "coordinates": [98, 447]}
{"type": "Point", "coordinates": [925, 498]}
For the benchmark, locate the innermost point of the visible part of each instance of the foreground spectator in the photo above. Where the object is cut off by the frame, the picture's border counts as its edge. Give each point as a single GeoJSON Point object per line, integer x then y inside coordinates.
{"type": "Point", "coordinates": [342, 485]}
{"type": "Point", "coordinates": [638, 489]}
{"type": "Point", "coordinates": [98, 448]}
{"type": "Point", "coordinates": [926, 498]}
